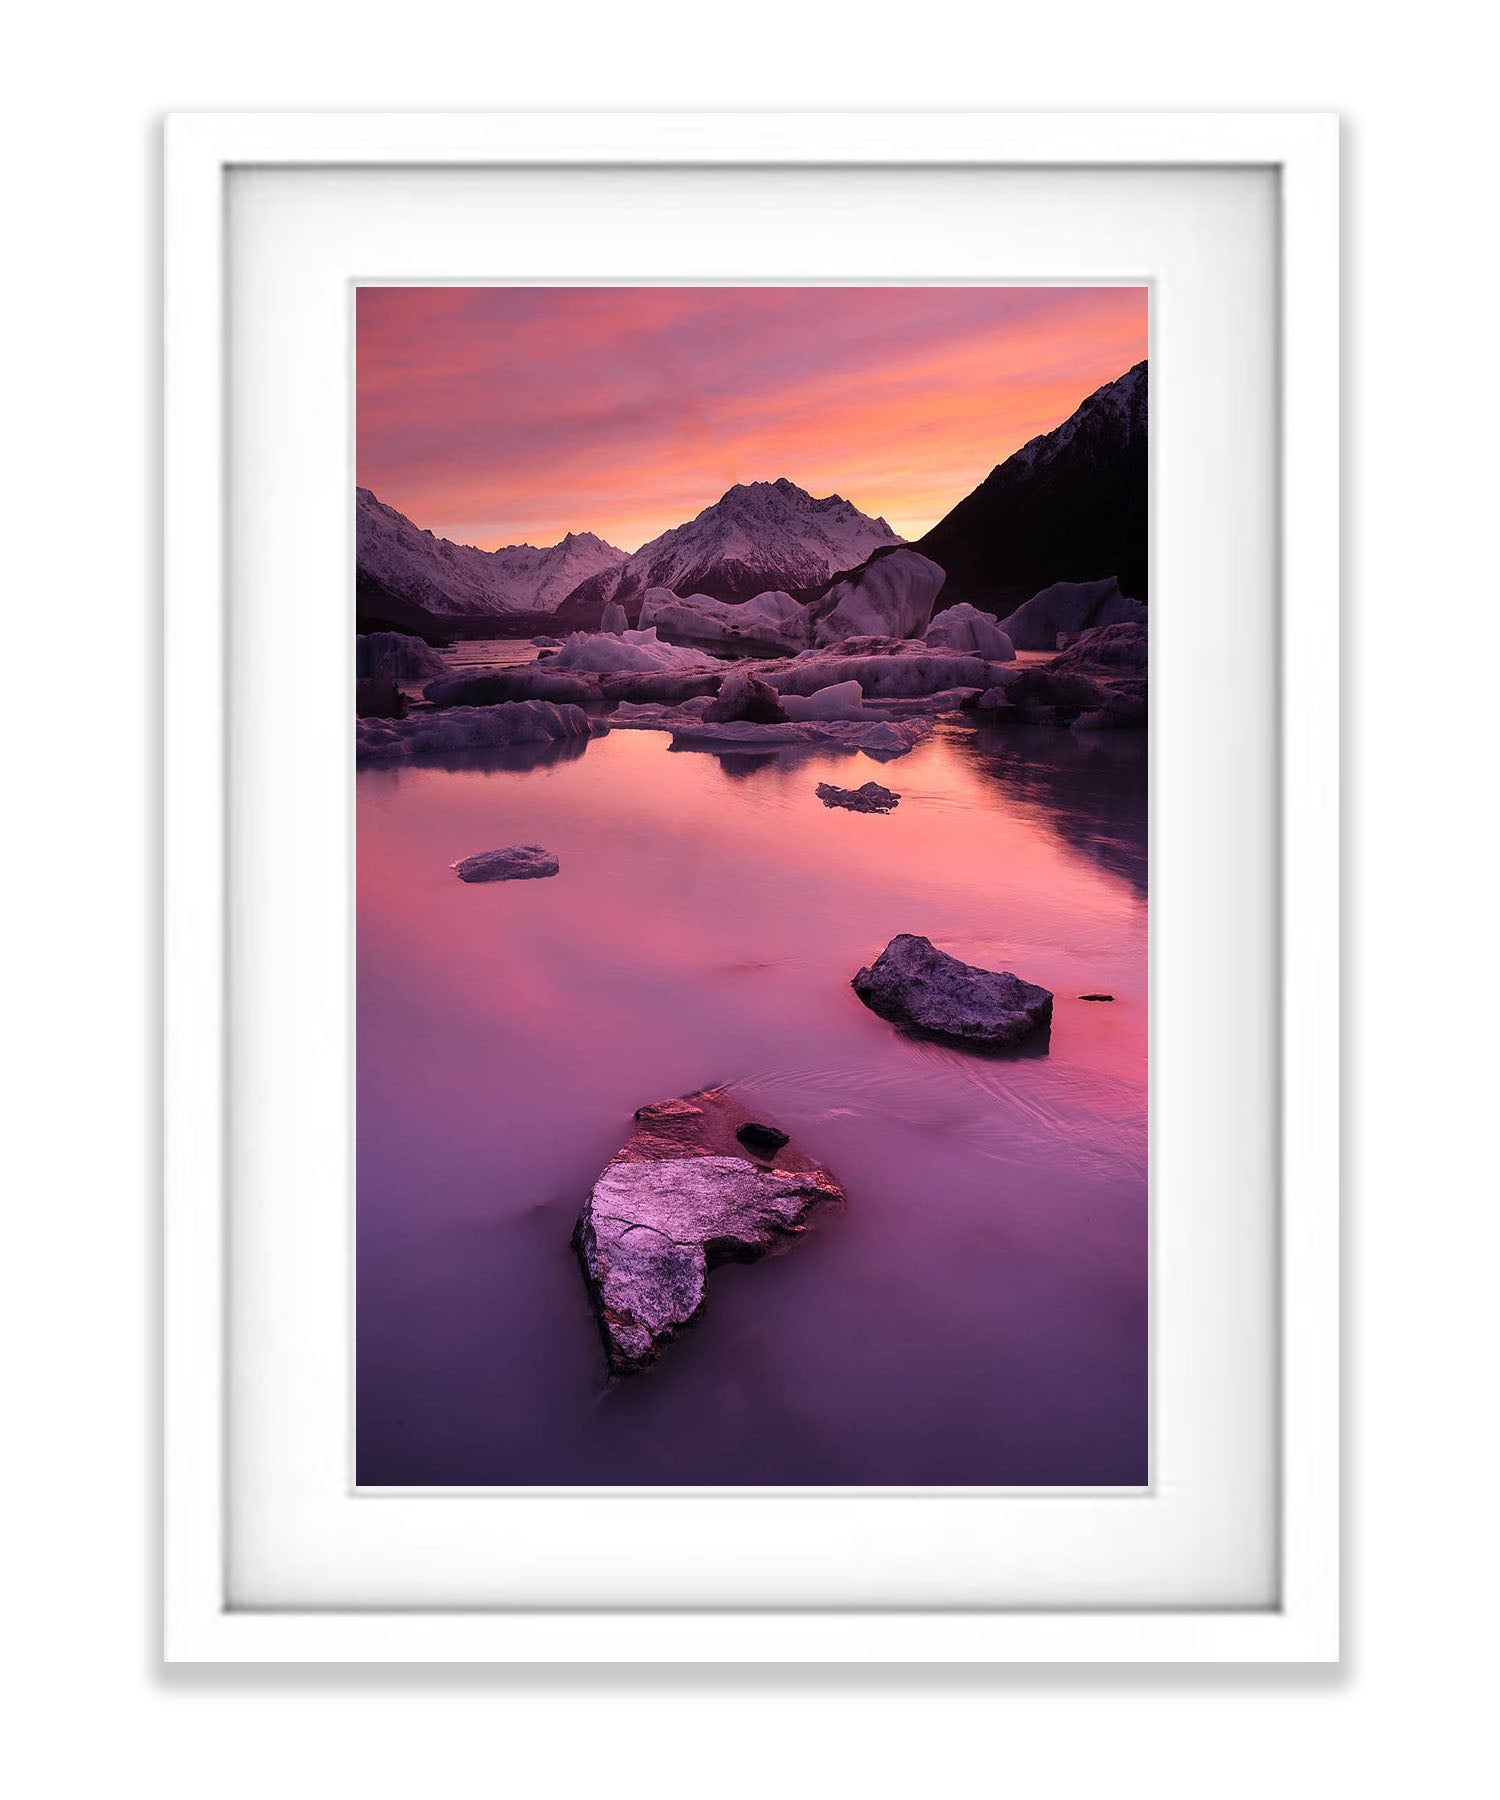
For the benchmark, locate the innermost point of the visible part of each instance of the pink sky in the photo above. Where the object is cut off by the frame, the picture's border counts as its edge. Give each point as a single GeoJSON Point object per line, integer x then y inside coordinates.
{"type": "Point", "coordinates": [505, 415]}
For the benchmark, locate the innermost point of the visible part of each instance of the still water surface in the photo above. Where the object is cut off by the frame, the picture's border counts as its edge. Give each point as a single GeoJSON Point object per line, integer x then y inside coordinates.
{"type": "Point", "coordinates": [976, 1313]}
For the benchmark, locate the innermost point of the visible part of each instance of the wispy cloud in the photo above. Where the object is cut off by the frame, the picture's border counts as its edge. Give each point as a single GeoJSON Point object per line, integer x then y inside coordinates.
{"type": "Point", "coordinates": [497, 415]}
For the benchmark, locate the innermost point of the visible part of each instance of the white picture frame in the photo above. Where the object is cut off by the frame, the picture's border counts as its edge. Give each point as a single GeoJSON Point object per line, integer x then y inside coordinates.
{"type": "Point", "coordinates": [202, 1623]}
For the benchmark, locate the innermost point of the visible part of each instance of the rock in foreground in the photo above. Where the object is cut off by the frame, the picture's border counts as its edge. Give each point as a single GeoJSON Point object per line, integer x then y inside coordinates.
{"type": "Point", "coordinates": [683, 1194]}
{"type": "Point", "coordinates": [923, 989]}
{"type": "Point", "coordinates": [516, 862]}
{"type": "Point", "coordinates": [871, 798]}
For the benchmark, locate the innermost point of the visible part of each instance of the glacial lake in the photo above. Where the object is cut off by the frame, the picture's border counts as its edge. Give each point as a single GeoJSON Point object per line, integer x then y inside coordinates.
{"type": "Point", "coordinates": [976, 1313]}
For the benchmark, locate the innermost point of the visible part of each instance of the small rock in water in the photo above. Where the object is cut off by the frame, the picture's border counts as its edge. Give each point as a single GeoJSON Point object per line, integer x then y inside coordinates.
{"type": "Point", "coordinates": [925, 990]}
{"type": "Point", "coordinates": [517, 862]}
{"type": "Point", "coordinates": [762, 1140]}
{"type": "Point", "coordinates": [871, 798]}
{"type": "Point", "coordinates": [1096, 996]}
{"type": "Point", "coordinates": [680, 1196]}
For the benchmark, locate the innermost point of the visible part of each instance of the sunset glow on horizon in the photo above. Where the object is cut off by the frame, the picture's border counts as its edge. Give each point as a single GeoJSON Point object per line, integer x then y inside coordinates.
{"type": "Point", "coordinates": [508, 414]}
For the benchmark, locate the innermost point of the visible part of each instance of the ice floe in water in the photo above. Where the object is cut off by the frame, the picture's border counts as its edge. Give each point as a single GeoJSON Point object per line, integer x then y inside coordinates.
{"type": "Point", "coordinates": [473, 728]}
{"type": "Point", "coordinates": [630, 651]}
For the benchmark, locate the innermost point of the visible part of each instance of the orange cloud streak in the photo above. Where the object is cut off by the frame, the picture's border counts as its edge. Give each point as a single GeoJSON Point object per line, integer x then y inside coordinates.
{"type": "Point", "coordinates": [498, 415]}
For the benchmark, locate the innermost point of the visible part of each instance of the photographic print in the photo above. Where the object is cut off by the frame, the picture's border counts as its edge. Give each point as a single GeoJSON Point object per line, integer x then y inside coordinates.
{"type": "Point", "coordinates": [751, 835]}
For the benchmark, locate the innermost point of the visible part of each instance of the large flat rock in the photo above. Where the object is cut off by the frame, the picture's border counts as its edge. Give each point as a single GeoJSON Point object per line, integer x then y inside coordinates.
{"type": "Point", "coordinates": [683, 1193]}
{"type": "Point", "coordinates": [923, 989]}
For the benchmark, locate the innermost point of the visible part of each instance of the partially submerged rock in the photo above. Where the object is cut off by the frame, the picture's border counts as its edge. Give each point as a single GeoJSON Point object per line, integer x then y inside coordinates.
{"type": "Point", "coordinates": [684, 1193]}
{"type": "Point", "coordinates": [924, 990]}
{"type": "Point", "coordinates": [760, 1139]}
{"type": "Point", "coordinates": [891, 596]}
{"type": "Point", "coordinates": [516, 862]}
{"type": "Point", "coordinates": [871, 798]}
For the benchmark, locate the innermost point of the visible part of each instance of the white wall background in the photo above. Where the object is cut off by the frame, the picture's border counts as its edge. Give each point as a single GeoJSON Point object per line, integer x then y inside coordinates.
{"type": "Point", "coordinates": [88, 1706]}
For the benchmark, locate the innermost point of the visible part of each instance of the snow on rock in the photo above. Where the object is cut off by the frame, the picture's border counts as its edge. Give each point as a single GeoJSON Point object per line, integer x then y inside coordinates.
{"type": "Point", "coordinates": [698, 1182]}
{"type": "Point", "coordinates": [516, 862]}
{"type": "Point", "coordinates": [396, 654]}
{"type": "Point", "coordinates": [634, 651]}
{"type": "Point", "coordinates": [614, 620]}
{"type": "Point", "coordinates": [871, 798]}
{"type": "Point", "coordinates": [965, 627]}
{"type": "Point", "coordinates": [840, 700]}
{"type": "Point", "coordinates": [472, 728]}
{"type": "Point", "coordinates": [1069, 606]}
{"type": "Point", "coordinates": [772, 619]}
{"type": "Point", "coordinates": [890, 597]}
{"type": "Point", "coordinates": [926, 991]}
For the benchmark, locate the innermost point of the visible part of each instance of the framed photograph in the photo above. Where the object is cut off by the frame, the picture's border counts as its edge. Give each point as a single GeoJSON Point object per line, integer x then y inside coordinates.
{"type": "Point", "coordinates": [752, 832]}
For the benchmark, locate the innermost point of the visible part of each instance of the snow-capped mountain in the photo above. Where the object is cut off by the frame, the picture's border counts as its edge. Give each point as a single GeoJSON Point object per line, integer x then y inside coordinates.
{"type": "Point", "coordinates": [761, 535]}
{"type": "Point", "coordinates": [459, 580]}
{"type": "Point", "coordinates": [1069, 505]}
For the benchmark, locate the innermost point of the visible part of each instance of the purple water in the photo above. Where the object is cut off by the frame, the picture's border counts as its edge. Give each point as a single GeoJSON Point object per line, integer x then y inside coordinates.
{"type": "Point", "coordinates": [976, 1313]}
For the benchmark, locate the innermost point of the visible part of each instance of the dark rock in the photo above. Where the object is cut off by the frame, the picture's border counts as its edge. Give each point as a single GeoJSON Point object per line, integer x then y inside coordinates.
{"type": "Point", "coordinates": [680, 1196]}
{"type": "Point", "coordinates": [378, 697]}
{"type": "Point", "coordinates": [925, 990]}
{"type": "Point", "coordinates": [517, 862]}
{"type": "Point", "coordinates": [871, 798]}
{"type": "Point", "coordinates": [1096, 996]}
{"type": "Point", "coordinates": [525, 681]}
{"type": "Point", "coordinates": [761, 1140]}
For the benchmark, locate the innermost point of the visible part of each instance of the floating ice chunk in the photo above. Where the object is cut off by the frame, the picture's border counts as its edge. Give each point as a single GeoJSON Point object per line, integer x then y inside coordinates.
{"type": "Point", "coordinates": [1069, 606]}
{"type": "Point", "coordinates": [773, 618]}
{"type": "Point", "coordinates": [840, 700]}
{"type": "Point", "coordinates": [639, 651]}
{"type": "Point", "coordinates": [614, 620]}
{"type": "Point", "coordinates": [891, 597]}
{"type": "Point", "coordinates": [473, 728]}
{"type": "Point", "coordinates": [396, 654]}
{"type": "Point", "coordinates": [965, 627]}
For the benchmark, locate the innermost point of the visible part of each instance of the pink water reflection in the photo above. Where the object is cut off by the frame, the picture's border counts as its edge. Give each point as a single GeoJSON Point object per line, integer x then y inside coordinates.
{"type": "Point", "coordinates": [976, 1313]}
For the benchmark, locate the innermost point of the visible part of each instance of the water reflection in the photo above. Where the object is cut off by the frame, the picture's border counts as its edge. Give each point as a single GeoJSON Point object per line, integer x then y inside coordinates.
{"type": "Point", "coordinates": [976, 1313]}
{"type": "Point", "coordinates": [1089, 787]}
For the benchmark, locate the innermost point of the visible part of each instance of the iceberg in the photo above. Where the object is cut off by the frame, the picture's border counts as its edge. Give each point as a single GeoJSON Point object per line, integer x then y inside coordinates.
{"type": "Point", "coordinates": [890, 597]}
{"type": "Point", "coordinates": [632, 651]}
{"type": "Point", "coordinates": [472, 728]}
{"type": "Point", "coordinates": [771, 620]}
{"type": "Point", "coordinates": [1069, 606]}
{"type": "Point", "coordinates": [965, 627]}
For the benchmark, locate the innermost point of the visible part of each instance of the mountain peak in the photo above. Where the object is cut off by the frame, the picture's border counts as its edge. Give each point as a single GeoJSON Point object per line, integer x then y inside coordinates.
{"type": "Point", "coordinates": [1069, 505]}
{"type": "Point", "coordinates": [757, 537]}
